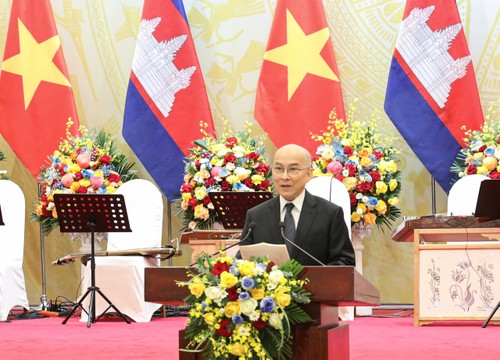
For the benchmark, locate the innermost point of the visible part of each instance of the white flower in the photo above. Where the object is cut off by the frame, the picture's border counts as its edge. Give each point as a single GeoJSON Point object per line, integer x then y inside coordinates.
{"type": "Point", "coordinates": [254, 316]}
{"type": "Point", "coordinates": [276, 276]}
{"type": "Point", "coordinates": [243, 330]}
{"type": "Point", "coordinates": [215, 293]}
{"type": "Point", "coordinates": [247, 307]}
{"type": "Point", "coordinates": [275, 321]}
{"type": "Point", "coordinates": [230, 166]}
{"type": "Point", "coordinates": [345, 173]}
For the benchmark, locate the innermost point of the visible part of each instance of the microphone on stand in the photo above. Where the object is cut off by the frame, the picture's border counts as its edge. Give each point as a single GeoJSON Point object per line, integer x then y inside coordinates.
{"type": "Point", "coordinates": [251, 227]}
{"type": "Point", "coordinates": [282, 228]}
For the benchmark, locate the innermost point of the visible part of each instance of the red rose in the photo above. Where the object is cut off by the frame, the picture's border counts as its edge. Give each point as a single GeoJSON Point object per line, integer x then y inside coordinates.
{"type": "Point", "coordinates": [270, 266]}
{"type": "Point", "coordinates": [259, 324]}
{"type": "Point", "coordinates": [82, 190]}
{"type": "Point", "coordinates": [352, 169]}
{"type": "Point", "coordinates": [262, 168]}
{"type": "Point", "coordinates": [378, 155]}
{"type": "Point", "coordinates": [209, 182]}
{"type": "Point", "coordinates": [186, 188]}
{"type": "Point", "coordinates": [375, 175]}
{"type": "Point", "coordinates": [352, 197]}
{"type": "Point", "coordinates": [224, 328]}
{"type": "Point", "coordinates": [225, 186]}
{"type": "Point", "coordinates": [193, 203]}
{"type": "Point", "coordinates": [229, 158]}
{"type": "Point", "coordinates": [113, 177]}
{"type": "Point", "coordinates": [206, 200]}
{"type": "Point", "coordinates": [364, 187]}
{"type": "Point", "coordinates": [231, 142]}
{"type": "Point", "coordinates": [471, 169]}
{"type": "Point", "coordinates": [348, 150]}
{"type": "Point", "coordinates": [232, 293]}
{"type": "Point", "coordinates": [105, 160]}
{"type": "Point", "coordinates": [494, 174]}
{"type": "Point", "coordinates": [264, 185]}
{"type": "Point", "coordinates": [219, 268]}
{"type": "Point", "coordinates": [78, 175]}
{"type": "Point", "coordinates": [482, 148]}
{"type": "Point", "coordinates": [45, 212]}
{"type": "Point", "coordinates": [253, 156]}
{"type": "Point", "coordinates": [339, 177]}
{"type": "Point", "coordinates": [248, 183]}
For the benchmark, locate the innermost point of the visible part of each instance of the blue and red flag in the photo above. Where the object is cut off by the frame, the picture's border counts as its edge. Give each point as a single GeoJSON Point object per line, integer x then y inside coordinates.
{"type": "Point", "coordinates": [432, 93]}
{"type": "Point", "coordinates": [166, 98]}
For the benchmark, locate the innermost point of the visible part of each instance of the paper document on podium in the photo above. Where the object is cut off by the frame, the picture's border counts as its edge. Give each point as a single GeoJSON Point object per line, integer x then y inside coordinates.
{"type": "Point", "coordinates": [277, 253]}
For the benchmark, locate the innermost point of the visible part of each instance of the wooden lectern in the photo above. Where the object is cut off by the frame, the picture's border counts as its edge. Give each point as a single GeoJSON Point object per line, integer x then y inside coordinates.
{"type": "Point", "coordinates": [330, 287]}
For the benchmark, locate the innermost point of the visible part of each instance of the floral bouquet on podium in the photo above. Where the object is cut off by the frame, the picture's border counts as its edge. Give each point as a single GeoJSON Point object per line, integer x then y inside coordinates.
{"type": "Point", "coordinates": [233, 162]}
{"type": "Point", "coordinates": [244, 309]}
{"type": "Point", "coordinates": [481, 154]}
{"type": "Point", "coordinates": [353, 152]}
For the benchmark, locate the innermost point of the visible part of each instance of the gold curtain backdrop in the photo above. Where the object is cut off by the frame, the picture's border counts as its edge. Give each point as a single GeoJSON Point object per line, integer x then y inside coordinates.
{"type": "Point", "coordinates": [98, 39]}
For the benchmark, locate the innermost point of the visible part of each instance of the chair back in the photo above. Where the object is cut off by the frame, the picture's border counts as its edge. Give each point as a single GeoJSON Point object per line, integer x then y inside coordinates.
{"type": "Point", "coordinates": [462, 198]}
{"type": "Point", "coordinates": [144, 205]}
{"type": "Point", "coordinates": [13, 205]}
{"type": "Point", "coordinates": [333, 190]}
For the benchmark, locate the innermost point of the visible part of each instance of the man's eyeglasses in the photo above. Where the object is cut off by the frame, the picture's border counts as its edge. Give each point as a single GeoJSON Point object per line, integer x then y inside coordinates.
{"type": "Point", "coordinates": [279, 170]}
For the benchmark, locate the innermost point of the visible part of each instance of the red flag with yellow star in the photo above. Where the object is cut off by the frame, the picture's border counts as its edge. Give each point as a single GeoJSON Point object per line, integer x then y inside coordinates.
{"type": "Point", "coordinates": [36, 98]}
{"type": "Point", "coordinates": [299, 84]}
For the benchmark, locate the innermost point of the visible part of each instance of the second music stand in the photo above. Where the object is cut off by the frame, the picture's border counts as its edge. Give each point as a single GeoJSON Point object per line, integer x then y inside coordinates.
{"type": "Point", "coordinates": [92, 213]}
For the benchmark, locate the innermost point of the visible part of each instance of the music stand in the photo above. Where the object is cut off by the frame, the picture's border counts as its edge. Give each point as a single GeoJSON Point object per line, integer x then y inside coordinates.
{"type": "Point", "coordinates": [92, 213]}
{"type": "Point", "coordinates": [488, 206]}
{"type": "Point", "coordinates": [232, 206]}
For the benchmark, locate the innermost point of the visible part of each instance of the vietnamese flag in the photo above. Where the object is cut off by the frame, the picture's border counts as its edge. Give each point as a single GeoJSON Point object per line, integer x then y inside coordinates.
{"type": "Point", "coordinates": [299, 84]}
{"type": "Point", "coordinates": [36, 98]}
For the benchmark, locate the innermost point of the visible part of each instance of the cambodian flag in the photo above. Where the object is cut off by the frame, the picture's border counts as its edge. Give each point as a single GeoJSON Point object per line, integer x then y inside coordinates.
{"type": "Point", "coordinates": [432, 94]}
{"type": "Point", "coordinates": [166, 98]}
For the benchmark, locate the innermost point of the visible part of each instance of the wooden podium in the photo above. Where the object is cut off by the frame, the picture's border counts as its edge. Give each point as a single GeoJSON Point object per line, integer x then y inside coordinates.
{"type": "Point", "coordinates": [330, 287]}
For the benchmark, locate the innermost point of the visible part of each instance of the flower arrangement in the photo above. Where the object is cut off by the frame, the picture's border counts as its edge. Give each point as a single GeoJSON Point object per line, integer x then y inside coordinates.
{"type": "Point", "coordinates": [234, 162]}
{"type": "Point", "coordinates": [481, 154]}
{"type": "Point", "coordinates": [243, 309]}
{"type": "Point", "coordinates": [3, 173]}
{"type": "Point", "coordinates": [355, 153]}
{"type": "Point", "coordinates": [88, 163]}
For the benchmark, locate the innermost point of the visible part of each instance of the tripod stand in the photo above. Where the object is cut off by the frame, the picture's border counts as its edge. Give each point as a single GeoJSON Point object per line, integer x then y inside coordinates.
{"type": "Point", "coordinates": [92, 213]}
{"type": "Point", "coordinates": [491, 315]}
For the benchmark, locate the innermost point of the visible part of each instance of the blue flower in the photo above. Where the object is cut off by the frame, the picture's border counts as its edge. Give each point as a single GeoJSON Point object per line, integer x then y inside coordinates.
{"type": "Point", "coordinates": [87, 174]}
{"type": "Point", "coordinates": [247, 283]}
{"type": "Point", "coordinates": [237, 319]}
{"type": "Point", "coordinates": [372, 201]}
{"type": "Point", "coordinates": [234, 270]}
{"type": "Point", "coordinates": [244, 296]}
{"type": "Point", "coordinates": [267, 305]}
{"type": "Point", "coordinates": [223, 172]}
{"type": "Point", "coordinates": [490, 150]}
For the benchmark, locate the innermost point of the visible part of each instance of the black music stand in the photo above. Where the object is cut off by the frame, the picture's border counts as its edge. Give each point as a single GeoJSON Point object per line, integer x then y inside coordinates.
{"type": "Point", "coordinates": [232, 206]}
{"type": "Point", "coordinates": [92, 213]}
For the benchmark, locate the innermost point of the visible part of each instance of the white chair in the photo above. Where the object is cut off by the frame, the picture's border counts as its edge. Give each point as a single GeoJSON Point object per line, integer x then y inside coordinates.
{"type": "Point", "coordinates": [12, 285]}
{"type": "Point", "coordinates": [333, 190]}
{"type": "Point", "coordinates": [121, 278]}
{"type": "Point", "coordinates": [462, 198]}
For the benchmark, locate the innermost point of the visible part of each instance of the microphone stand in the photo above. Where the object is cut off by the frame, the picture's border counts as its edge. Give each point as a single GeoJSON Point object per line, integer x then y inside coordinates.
{"type": "Point", "coordinates": [282, 227]}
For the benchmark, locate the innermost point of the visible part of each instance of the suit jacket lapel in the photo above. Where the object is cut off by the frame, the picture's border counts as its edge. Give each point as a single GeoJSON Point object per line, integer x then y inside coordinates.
{"type": "Point", "coordinates": [307, 215]}
{"type": "Point", "coordinates": [273, 222]}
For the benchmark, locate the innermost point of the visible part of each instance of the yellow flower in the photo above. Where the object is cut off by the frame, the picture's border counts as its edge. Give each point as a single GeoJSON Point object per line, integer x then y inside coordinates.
{"type": "Point", "coordinates": [85, 183]}
{"type": "Point", "coordinates": [257, 293]}
{"type": "Point", "coordinates": [209, 318]}
{"type": "Point", "coordinates": [232, 179]}
{"type": "Point", "coordinates": [197, 287]}
{"type": "Point", "coordinates": [365, 152]}
{"type": "Point", "coordinates": [393, 201]}
{"type": "Point", "coordinates": [186, 196]}
{"type": "Point", "coordinates": [74, 186]}
{"type": "Point", "coordinates": [381, 207]}
{"type": "Point", "coordinates": [393, 184]}
{"type": "Point", "coordinates": [355, 217]}
{"type": "Point", "coordinates": [365, 161]}
{"type": "Point", "coordinates": [317, 172]}
{"type": "Point", "coordinates": [283, 299]}
{"type": "Point", "coordinates": [370, 218]}
{"type": "Point", "coordinates": [381, 187]}
{"type": "Point", "coordinates": [110, 189]}
{"type": "Point", "coordinates": [232, 308]}
{"type": "Point", "coordinates": [237, 349]}
{"type": "Point", "coordinates": [247, 268]}
{"type": "Point", "coordinates": [482, 170]}
{"type": "Point", "coordinates": [257, 179]}
{"type": "Point", "coordinates": [490, 162]}
{"type": "Point", "coordinates": [200, 212]}
{"type": "Point", "coordinates": [200, 193]}
{"type": "Point", "coordinates": [227, 280]}
{"type": "Point", "coordinates": [74, 168]}
{"type": "Point", "coordinates": [349, 183]}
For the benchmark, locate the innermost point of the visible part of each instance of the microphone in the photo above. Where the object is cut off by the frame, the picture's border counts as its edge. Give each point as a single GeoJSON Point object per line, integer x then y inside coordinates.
{"type": "Point", "coordinates": [282, 228]}
{"type": "Point", "coordinates": [251, 227]}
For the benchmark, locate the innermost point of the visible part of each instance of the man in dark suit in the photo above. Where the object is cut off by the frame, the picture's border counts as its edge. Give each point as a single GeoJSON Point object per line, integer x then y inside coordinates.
{"type": "Point", "coordinates": [320, 228]}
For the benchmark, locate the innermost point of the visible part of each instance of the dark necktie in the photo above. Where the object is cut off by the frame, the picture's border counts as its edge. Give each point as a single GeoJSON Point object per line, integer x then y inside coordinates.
{"type": "Point", "coordinates": [289, 227]}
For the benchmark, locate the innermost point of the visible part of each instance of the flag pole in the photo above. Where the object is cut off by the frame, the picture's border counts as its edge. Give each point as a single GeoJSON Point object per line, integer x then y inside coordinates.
{"type": "Point", "coordinates": [433, 194]}
{"type": "Point", "coordinates": [43, 298]}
